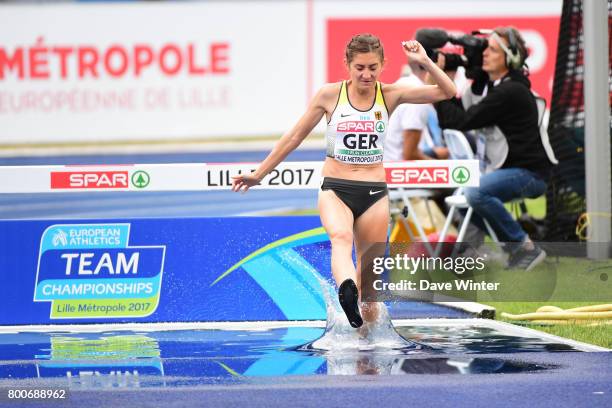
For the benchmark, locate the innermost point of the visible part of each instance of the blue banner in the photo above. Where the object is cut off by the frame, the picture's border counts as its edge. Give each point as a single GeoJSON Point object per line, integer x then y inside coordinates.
{"type": "Point", "coordinates": [163, 270]}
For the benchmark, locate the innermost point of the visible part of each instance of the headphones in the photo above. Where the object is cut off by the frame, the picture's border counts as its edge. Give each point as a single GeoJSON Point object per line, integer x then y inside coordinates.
{"type": "Point", "coordinates": [513, 55]}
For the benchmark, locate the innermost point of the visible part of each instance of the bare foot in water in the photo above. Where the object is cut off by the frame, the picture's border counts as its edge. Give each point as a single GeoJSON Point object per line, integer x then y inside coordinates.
{"type": "Point", "coordinates": [370, 311]}
{"type": "Point", "coordinates": [364, 330]}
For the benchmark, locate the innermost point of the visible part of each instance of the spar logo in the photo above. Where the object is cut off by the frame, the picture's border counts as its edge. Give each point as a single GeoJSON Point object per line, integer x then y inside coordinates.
{"type": "Point", "coordinates": [100, 180]}
{"type": "Point", "coordinates": [90, 179]}
{"type": "Point", "coordinates": [418, 175]}
{"type": "Point", "coordinates": [356, 126]}
{"type": "Point", "coordinates": [461, 175]}
{"type": "Point", "coordinates": [140, 179]}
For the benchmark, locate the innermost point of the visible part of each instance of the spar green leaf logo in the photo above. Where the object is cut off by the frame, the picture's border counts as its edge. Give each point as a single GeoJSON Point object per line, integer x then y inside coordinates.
{"type": "Point", "coordinates": [380, 126]}
{"type": "Point", "coordinates": [140, 179]}
{"type": "Point", "coordinates": [461, 175]}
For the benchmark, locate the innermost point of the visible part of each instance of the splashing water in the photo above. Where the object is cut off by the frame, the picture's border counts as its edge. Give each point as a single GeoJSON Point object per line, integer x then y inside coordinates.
{"type": "Point", "coordinates": [339, 336]}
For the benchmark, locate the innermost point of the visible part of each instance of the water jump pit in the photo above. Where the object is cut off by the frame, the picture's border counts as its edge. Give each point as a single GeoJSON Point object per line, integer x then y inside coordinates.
{"type": "Point", "coordinates": [90, 357]}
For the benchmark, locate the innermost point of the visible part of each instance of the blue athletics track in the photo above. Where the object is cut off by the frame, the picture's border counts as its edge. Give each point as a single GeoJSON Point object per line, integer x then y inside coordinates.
{"type": "Point", "coordinates": [447, 358]}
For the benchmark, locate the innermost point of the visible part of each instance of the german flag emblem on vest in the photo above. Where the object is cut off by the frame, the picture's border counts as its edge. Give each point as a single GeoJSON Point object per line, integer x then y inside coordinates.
{"type": "Point", "coordinates": [378, 115]}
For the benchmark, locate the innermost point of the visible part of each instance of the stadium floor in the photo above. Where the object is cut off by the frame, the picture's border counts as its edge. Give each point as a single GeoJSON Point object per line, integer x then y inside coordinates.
{"type": "Point", "coordinates": [467, 363]}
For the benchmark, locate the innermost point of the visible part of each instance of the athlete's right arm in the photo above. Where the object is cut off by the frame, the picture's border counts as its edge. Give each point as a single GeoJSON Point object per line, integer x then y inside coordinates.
{"type": "Point", "coordinates": [291, 139]}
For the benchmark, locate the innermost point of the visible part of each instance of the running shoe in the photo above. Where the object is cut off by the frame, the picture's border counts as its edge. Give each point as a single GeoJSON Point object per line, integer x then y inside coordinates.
{"type": "Point", "coordinates": [526, 259]}
{"type": "Point", "coordinates": [348, 297]}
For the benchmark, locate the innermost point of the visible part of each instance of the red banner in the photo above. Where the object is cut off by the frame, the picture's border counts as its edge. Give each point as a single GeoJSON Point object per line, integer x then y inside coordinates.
{"type": "Point", "coordinates": [541, 34]}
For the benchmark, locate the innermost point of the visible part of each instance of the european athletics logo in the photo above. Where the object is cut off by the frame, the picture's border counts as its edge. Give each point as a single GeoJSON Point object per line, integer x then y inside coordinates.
{"type": "Point", "coordinates": [90, 271]}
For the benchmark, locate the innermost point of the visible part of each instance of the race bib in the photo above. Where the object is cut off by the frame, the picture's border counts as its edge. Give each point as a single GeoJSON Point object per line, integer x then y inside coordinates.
{"type": "Point", "coordinates": [359, 142]}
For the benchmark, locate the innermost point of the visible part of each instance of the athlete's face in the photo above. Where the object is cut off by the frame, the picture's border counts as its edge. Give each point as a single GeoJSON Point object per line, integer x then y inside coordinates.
{"type": "Point", "coordinates": [494, 59]}
{"type": "Point", "coordinates": [365, 68]}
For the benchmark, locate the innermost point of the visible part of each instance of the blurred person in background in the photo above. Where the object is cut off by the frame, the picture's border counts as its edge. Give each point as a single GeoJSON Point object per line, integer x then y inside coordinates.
{"type": "Point", "coordinates": [414, 132]}
{"type": "Point", "coordinates": [353, 200]}
{"type": "Point", "coordinates": [501, 106]}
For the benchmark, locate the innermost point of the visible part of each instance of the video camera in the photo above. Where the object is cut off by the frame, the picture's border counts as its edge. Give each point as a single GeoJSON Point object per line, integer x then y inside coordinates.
{"type": "Point", "coordinates": [473, 46]}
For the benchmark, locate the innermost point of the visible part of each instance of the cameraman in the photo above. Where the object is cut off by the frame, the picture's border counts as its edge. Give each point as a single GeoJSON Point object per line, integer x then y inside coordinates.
{"type": "Point", "coordinates": [501, 106]}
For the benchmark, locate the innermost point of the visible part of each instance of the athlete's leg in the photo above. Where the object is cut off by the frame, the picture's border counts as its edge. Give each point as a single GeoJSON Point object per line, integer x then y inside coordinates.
{"type": "Point", "coordinates": [371, 228]}
{"type": "Point", "coordinates": [337, 219]}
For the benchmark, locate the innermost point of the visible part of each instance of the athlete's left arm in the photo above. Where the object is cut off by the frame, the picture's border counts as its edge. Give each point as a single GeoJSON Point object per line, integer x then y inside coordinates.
{"type": "Point", "coordinates": [288, 142]}
{"type": "Point", "coordinates": [443, 86]}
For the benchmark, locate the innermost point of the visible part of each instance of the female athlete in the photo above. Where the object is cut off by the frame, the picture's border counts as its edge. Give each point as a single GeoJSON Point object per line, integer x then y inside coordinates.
{"type": "Point", "coordinates": [353, 200]}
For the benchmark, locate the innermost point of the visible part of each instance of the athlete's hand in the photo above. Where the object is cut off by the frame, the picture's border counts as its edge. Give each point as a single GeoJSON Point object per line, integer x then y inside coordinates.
{"type": "Point", "coordinates": [415, 51]}
{"type": "Point", "coordinates": [243, 182]}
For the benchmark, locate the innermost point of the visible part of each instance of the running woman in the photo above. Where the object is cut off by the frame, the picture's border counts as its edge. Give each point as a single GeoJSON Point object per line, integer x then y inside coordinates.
{"type": "Point", "coordinates": [353, 200]}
